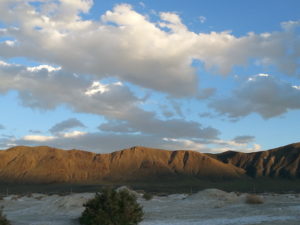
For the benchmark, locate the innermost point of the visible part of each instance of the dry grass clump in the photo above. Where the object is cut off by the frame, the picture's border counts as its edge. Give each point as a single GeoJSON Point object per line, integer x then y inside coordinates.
{"type": "Point", "coordinates": [254, 199]}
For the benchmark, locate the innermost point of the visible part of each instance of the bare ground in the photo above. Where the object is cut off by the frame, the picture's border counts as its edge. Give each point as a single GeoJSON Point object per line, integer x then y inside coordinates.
{"type": "Point", "coordinates": [207, 207]}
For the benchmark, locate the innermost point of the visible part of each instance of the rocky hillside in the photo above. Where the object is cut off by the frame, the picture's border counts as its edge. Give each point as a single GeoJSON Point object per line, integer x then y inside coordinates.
{"type": "Point", "coordinates": [50, 165]}
{"type": "Point", "coordinates": [279, 162]}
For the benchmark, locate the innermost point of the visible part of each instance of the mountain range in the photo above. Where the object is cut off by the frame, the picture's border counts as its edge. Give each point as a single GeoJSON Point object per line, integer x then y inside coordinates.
{"type": "Point", "coordinates": [279, 162]}
{"type": "Point", "coordinates": [44, 164]}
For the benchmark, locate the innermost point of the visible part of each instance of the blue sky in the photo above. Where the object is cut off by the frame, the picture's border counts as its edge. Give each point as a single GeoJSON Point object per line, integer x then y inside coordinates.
{"type": "Point", "coordinates": [207, 75]}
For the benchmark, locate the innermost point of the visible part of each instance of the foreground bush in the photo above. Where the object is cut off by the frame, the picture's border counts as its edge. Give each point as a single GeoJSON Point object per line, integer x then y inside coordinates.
{"type": "Point", "coordinates": [254, 199]}
{"type": "Point", "coordinates": [112, 207]}
{"type": "Point", "coordinates": [3, 220]}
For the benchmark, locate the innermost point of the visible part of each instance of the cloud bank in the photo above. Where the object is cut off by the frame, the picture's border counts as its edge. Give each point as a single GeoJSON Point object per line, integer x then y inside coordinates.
{"type": "Point", "coordinates": [92, 65]}
{"type": "Point", "coordinates": [128, 45]}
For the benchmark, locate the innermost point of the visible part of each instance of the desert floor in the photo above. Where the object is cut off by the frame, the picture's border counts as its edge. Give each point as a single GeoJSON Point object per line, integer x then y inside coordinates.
{"type": "Point", "coordinates": [207, 207]}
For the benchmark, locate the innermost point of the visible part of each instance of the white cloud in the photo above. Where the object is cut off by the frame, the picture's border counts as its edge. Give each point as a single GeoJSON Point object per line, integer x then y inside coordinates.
{"type": "Point", "coordinates": [38, 138]}
{"type": "Point", "coordinates": [127, 45]}
{"type": "Point", "coordinates": [134, 48]}
{"type": "Point", "coordinates": [230, 143]}
{"type": "Point", "coordinates": [10, 43]}
{"type": "Point", "coordinates": [98, 87]}
{"type": "Point", "coordinates": [255, 148]}
{"type": "Point", "coordinates": [185, 144]}
{"type": "Point", "coordinates": [173, 22]}
{"type": "Point", "coordinates": [235, 147]}
{"type": "Point", "coordinates": [43, 67]}
{"type": "Point", "coordinates": [263, 75]}
{"type": "Point", "coordinates": [2, 63]}
{"type": "Point", "coordinates": [72, 134]}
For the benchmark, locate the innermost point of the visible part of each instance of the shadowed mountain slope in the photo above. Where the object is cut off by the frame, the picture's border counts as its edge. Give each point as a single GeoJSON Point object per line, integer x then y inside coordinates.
{"type": "Point", "coordinates": [278, 162]}
{"type": "Point", "coordinates": [50, 165]}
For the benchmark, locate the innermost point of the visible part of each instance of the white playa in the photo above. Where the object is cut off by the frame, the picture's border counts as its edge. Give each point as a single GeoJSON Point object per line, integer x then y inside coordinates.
{"type": "Point", "coordinates": [208, 207]}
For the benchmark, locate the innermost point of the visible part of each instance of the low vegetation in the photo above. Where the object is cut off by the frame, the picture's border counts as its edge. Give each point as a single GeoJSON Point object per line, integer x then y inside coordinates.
{"type": "Point", "coordinates": [254, 199]}
{"type": "Point", "coordinates": [147, 196]}
{"type": "Point", "coordinates": [112, 207]}
{"type": "Point", "coordinates": [3, 220]}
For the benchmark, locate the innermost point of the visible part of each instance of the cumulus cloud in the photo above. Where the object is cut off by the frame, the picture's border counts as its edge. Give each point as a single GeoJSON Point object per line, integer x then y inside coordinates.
{"type": "Point", "coordinates": [128, 45]}
{"type": "Point", "coordinates": [47, 89]}
{"type": "Point", "coordinates": [66, 125]}
{"type": "Point", "coordinates": [262, 94]}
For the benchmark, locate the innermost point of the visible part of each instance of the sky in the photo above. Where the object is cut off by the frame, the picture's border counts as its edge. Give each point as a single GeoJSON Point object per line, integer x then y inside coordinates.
{"type": "Point", "coordinates": [204, 75]}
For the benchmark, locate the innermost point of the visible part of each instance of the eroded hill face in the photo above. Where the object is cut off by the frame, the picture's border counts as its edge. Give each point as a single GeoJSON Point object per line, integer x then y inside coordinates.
{"type": "Point", "coordinates": [50, 165]}
{"type": "Point", "coordinates": [279, 162]}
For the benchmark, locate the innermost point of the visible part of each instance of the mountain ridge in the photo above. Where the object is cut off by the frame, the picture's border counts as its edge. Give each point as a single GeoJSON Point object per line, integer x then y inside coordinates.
{"type": "Point", "coordinates": [278, 162]}
{"type": "Point", "coordinates": [43, 164]}
{"type": "Point", "coordinates": [51, 165]}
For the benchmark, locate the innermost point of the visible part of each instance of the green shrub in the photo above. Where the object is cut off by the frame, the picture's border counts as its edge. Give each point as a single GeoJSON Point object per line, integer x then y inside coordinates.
{"type": "Point", "coordinates": [147, 196]}
{"type": "Point", "coordinates": [3, 220]}
{"type": "Point", "coordinates": [112, 207]}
